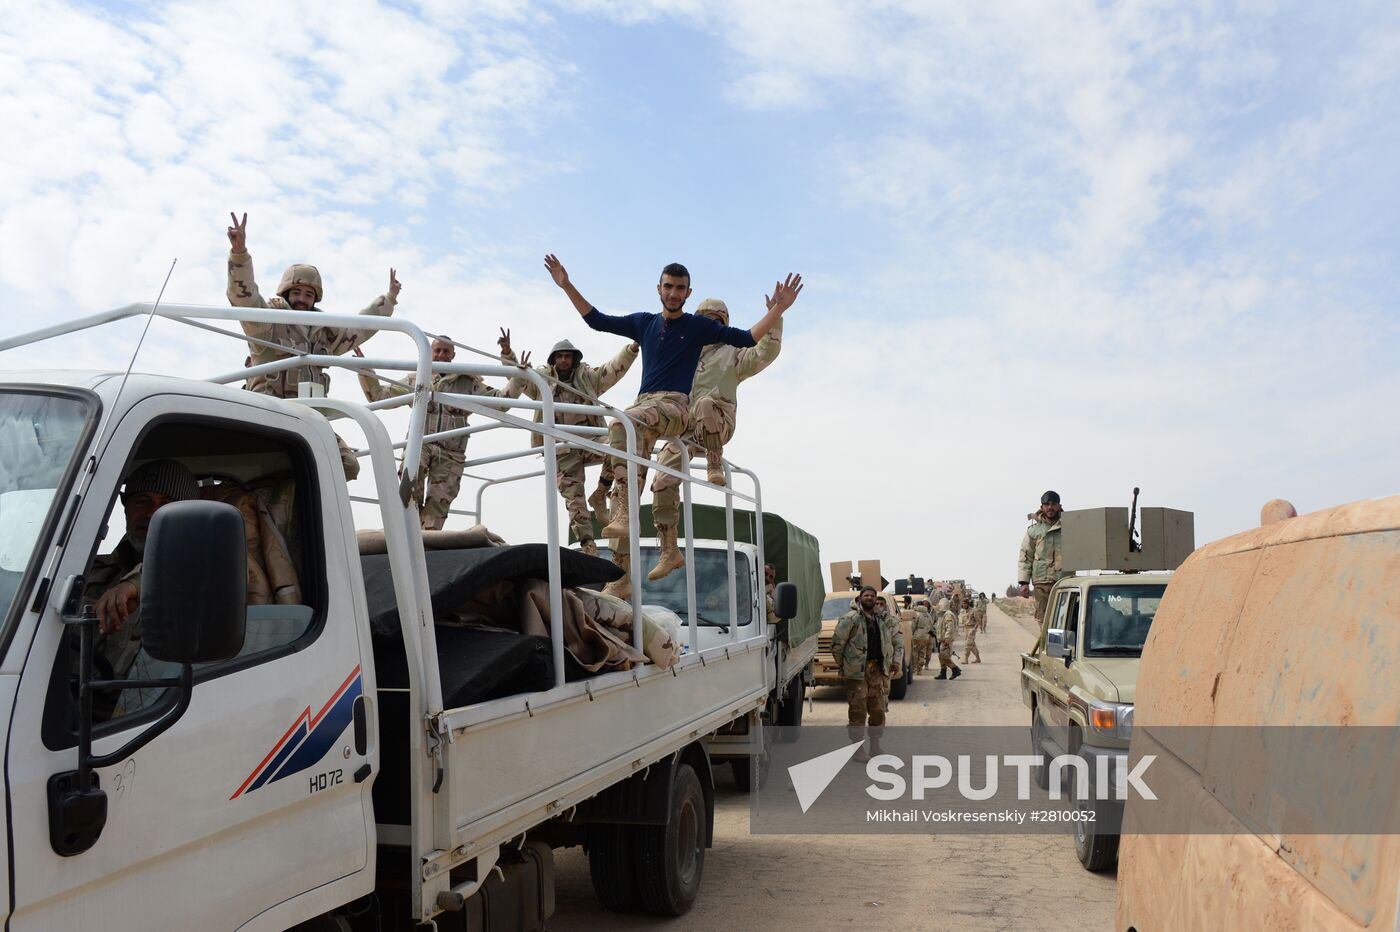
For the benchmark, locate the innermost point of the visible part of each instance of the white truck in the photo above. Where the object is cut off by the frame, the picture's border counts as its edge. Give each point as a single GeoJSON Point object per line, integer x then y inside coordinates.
{"type": "Point", "coordinates": [251, 769]}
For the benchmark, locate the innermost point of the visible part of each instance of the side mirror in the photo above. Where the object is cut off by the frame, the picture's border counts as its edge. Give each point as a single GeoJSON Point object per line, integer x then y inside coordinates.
{"type": "Point", "coordinates": [194, 583]}
{"type": "Point", "coordinates": [1058, 643]}
{"type": "Point", "coordinates": [785, 600]}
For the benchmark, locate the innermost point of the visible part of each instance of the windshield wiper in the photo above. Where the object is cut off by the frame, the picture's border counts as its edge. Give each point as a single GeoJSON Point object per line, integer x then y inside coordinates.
{"type": "Point", "coordinates": [708, 622]}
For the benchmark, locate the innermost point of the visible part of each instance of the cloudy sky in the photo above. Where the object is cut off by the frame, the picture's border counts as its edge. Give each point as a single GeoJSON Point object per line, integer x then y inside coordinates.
{"type": "Point", "coordinates": [1070, 245]}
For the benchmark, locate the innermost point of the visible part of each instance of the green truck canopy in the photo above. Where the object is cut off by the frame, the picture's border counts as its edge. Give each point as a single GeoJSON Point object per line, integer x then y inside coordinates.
{"type": "Point", "coordinates": [792, 551]}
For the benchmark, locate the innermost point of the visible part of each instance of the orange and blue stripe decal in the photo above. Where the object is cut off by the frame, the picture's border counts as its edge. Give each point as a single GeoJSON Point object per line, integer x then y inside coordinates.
{"type": "Point", "coordinates": [309, 738]}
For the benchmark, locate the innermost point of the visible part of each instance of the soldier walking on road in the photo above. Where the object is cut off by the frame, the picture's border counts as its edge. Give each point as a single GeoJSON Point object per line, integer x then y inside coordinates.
{"type": "Point", "coordinates": [714, 407]}
{"type": "Point", "coordinates": [443, 461]}
{"type": "Point", "coordinates": [671, 342]}
{"type": "Point", "coordinates": [945, 632]}
{"type": "Point", "coordinates": [299, 290]}
{"type": "Point", "coordinates": [1038, 563]}
{"type": "Point", "coordinates": [980, 610]}
{"type": "Point", "coordinates": [576, 382]}
{"type": "Point", "coordinates": [968, 622]}
{"type": "Point", "coordinates": [869, 650]}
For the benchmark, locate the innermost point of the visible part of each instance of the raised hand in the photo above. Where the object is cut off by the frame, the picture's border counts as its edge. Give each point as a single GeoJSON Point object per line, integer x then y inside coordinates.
{"type": "Point", "coordinates": [556, 270]}
{"type": "Point", "coordinates": [784, 293]}
{"type": "Point", "coordinates": [238, 233]}
{"type": "Point", "coordinates": [394, 285]}
{"type": "Point", "coordinates": [504, 341]}
{"type": "Point", "coordinates": [525, 360]}
{"type": "Point", "coordinates": [358, 352]}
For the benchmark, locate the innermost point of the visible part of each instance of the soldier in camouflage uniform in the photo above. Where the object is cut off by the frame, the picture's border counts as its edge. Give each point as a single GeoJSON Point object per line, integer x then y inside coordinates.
{"type": "Point", "coordinates": [980, 608]}
{"type": "Point", "coordinates": [945, 631]}
{"type": "Point", "coordinates": [923, 636]}
{"type": "Point", "coordinates": [576, 382]}
{"type": "Point", "coordinates": [967, 620]}
{"type": "Point", "coordinates": [870, 652]}
{"type": "Point", "coordinates": [714, 405]}
{"type": "Point", "coordinates": [1038, 562]}
{"type": "Point", "coordinates": [299, 290]}
{"type": "Point", "coordinates": [443, 461]}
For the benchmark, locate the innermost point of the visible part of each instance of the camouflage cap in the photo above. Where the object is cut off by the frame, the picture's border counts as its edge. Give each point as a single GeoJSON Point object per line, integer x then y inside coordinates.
{"type": "Point", "coordinates": [163, 477]}
{"type": "Point", "coordinates": [300, 275]}
{"type": "Point", "coordinates": [714, 307]}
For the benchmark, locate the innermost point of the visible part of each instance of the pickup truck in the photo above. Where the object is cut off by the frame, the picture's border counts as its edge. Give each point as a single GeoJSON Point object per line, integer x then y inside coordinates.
{"type": "Point", "coordinates": [1078, 682]}
{"type": "Point", "coordinates": [325, 758]}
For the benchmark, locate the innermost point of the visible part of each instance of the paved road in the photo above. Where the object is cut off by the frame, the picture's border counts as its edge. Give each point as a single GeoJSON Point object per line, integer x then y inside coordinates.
{"type": "Point", "coordinates": [883, 882]}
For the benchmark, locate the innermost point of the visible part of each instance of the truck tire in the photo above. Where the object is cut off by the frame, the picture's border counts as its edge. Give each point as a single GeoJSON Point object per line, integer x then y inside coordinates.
{"type": "Point", "coordinates": [670, 858]}
{"type": "Point", "coordinates": [790, 712]}
{"type": "Point", "coordinates": [1039, 772]}
{"type": "Point", "coordinates": [612, 865]}
{"type": "Point", "coordinates": [1096, 851]}
{"type": "Point", "coordinates": [899, 687]}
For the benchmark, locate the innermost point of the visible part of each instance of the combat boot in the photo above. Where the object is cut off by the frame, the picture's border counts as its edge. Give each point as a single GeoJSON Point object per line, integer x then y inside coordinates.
{"type": "Point", "coordinates": [875, 749]}
{"type": "Point", "coordinates": [714, 470]}
{"type": "Point", "coordinates": [617, 527]}
{"type": "Point", "coordinates": [957, 672]}
{"type": "Point", "coordinates": [670, 558]}
{"type": "Point", "coordinates": [621, 588]}
{"type": "Point", "coordinates": [598, 501]}
{"type": "Point", "coordinates": [589, 546]}
{"type": "Point", "coordinates": [942, 675]}
{"type": "Point", "coordinates": [858, 734]}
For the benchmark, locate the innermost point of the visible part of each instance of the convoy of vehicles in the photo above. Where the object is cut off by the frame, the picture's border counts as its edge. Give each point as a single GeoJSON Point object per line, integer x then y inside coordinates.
{"type": "Point", "coordinates": [332, 727]}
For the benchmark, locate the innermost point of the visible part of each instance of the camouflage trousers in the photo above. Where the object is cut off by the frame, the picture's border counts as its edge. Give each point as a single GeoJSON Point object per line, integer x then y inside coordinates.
{"type": "Point", "coordinates": [711, 427]}
{"type": "Point", "coordinates": [656, 415]}
{"type": "Point", "coordinates": [569, 467]}
{"type": "Point", "coordinates": [970, 645]}
{"type": "Point", "coordinates": [1042, 596]}
{"type": "Point", "coordinates": [945, 657]}
{"type": "Point", "coordinates": [868, 697]}
{"type": "Point", "coordinates": [441, 474]}
{"type": "Point", "coordinates": [923, 649]}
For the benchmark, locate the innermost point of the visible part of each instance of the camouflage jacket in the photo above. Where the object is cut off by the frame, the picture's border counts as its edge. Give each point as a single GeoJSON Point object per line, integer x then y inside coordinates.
{"type": "Point", "coordinates": [849, 645]}
{"type": "Point", "coordinates": [440, 417]}
{"type": "Point", "coordinates": [923, 625]}
{"type": "Point", "coordinates": [1039, 559]}
{"type": "Point", "coordinates": [108, 569]}
{"type": "Point", "coordinates": [947, 628]}
{"type": "Point", "coordinates": [723, 367]}
{"type": "Point", "coordinates": [589, 380]}
{"type": "Point", "coordinates": [327, 341]}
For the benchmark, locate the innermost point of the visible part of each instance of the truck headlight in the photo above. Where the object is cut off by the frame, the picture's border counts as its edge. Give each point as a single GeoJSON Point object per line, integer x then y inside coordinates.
{"type": "Point", "coordinates": [1112, 719]}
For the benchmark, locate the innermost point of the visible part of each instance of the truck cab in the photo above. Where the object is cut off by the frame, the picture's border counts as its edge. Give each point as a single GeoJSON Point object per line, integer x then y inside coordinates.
{"type": "Point", "coordinates": [1079, 683]}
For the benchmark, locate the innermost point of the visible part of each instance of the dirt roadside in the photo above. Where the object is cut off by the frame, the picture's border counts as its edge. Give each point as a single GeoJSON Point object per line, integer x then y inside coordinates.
{"type": "Point", "coordinates": [892, 882]}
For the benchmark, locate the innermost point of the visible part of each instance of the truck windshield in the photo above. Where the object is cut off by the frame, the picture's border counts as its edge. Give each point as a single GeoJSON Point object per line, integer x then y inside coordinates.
{"type": "Point", "coordinates": [711, 593]}
{"type": "Point", "coordinates": [1118, 619]}
{"type": "Point", "coordinates": [38, 436]}
{"type": "Point", "coordinates": [835, 608]}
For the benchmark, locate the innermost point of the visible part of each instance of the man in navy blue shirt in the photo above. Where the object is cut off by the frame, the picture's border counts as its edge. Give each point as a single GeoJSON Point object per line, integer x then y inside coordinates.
{"type": "Point", "coordinates": [671, 342]}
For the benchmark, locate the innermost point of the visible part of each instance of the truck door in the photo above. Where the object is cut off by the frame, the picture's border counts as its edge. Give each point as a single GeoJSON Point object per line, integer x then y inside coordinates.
{"type": "Point", "coordinates": [251, 798]}
{"type": "Point", "coordinates": [1054, 698]}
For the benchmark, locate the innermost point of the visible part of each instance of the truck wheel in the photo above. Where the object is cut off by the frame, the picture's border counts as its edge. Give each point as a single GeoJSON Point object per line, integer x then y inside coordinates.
{"type": "Point", "coordinates": [1039, 772]}
{"type": "Point", "coordinates": [1097, 852]}
{"type": "Point", "coordinates": [900, 686]}
{"type": "Point", "coordinates": [612, 864]}
{"type": "Point", "coordinates": [790, 712]}
{"type": "Point", "coordinates": [671, 857]}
